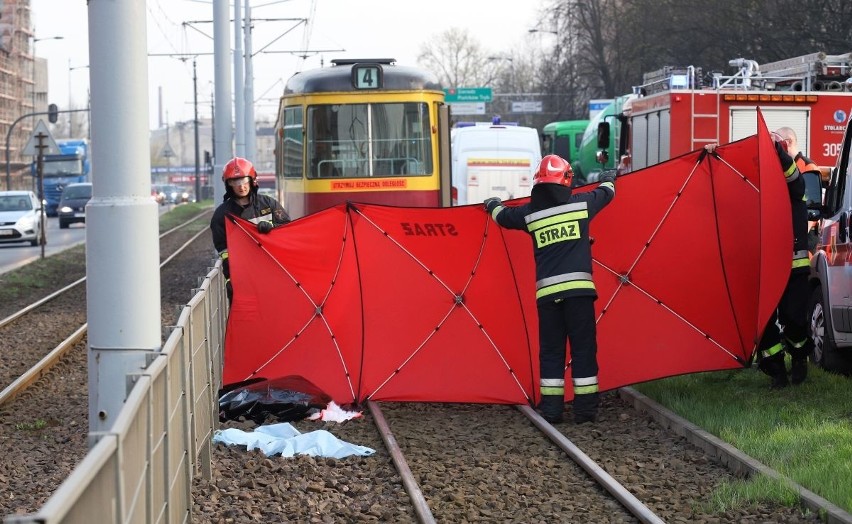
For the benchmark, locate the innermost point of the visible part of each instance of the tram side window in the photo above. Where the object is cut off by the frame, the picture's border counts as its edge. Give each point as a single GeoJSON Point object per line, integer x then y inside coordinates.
{"type": "Point", "coordinates": [364, 140]}
{"type": "Point", "coordinates": [290, 143]}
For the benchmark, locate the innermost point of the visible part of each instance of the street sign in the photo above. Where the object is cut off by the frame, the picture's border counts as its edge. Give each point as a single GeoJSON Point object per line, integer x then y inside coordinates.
{"type": "Point", "coordinates": [468, 108]}
{"type": "Point", "coordinates": [42, 131]}
{"type": "Point", "coordinates": [455, 95]}
{"type": "Point", "coordinates": [596, 105]}
{"type": "Point", "coordinates": [527, 107]}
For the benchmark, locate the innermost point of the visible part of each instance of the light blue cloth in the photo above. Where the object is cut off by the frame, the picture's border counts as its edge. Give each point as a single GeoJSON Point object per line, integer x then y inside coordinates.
{"type": "Point", "coordinates": [287, 441]}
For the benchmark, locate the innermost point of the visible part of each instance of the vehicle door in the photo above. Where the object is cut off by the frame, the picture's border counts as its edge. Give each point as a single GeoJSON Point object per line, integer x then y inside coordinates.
{"type": "Point", "coordinates": [836, 243]}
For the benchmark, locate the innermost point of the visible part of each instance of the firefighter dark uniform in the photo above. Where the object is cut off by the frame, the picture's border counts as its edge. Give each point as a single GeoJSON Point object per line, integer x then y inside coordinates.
{"type": "Point", "coordinates": [558, 222]}
{"type": "Point", "coordinates": [791, 312]}
{"type": "Point", "coordinates": [246, 203]}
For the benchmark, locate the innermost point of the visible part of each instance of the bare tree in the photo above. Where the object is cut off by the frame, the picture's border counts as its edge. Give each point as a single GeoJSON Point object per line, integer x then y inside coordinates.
{"type": "Point", "coordinates": [457, 59]}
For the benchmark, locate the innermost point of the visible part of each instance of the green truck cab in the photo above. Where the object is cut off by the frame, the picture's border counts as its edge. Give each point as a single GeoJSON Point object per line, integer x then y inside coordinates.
{"type": "Point", "coordinates": [563, 138]}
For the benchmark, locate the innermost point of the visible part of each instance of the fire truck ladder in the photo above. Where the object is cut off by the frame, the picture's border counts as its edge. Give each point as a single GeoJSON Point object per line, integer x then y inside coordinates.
{"type": "Point", "coordinates": [813, 72]}
{"type": "Point", "coordinates": [696, 142]}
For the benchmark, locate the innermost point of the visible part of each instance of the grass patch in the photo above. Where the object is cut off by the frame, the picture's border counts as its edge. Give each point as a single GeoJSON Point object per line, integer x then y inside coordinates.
{"type": "Point", "coordinates": [803, 432]}
{"type": "Point", "coordinates": [43, 273]}
{"type": "Point", "coordinates": [747, 493]}
{"type": "Point", "coordinates": [31, 426]}
{"type": "Point", "coordinates": [182, 213]}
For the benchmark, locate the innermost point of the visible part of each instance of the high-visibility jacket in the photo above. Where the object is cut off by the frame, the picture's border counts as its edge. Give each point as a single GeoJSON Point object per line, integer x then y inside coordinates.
{"type": "Point", "coordinates": [561, 243]}
{"type": "Point", "coordinates": [799, 210]}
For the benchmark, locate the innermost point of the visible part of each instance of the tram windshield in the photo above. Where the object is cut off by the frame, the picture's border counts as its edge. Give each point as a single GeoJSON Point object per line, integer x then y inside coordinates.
{"type": "Point", "coordinates": [369, 140]}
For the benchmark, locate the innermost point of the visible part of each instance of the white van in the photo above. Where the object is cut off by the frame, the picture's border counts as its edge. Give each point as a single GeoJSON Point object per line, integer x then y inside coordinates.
{"type": "Point", "coordinates": [493, 160]}
{"type": "Point", "coordinates": [830, 305]}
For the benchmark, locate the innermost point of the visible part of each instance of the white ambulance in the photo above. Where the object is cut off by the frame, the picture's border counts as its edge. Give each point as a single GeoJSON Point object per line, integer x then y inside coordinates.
{"type": "Point", "coordinates": [493, 159]}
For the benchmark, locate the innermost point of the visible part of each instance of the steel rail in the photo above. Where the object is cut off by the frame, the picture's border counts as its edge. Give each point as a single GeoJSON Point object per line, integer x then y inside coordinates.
{"type": "Point", "coordinates": [603, 478]}
{"type": "Point", "coordinates": [38, 370]}
{"type": "Point", "coordinates": [21, 312]}
{"type": "Point", "coordinates": [421, 507]}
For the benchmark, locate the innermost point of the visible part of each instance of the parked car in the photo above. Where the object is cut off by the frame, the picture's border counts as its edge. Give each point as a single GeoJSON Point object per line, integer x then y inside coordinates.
{"type": "Point", "coordinates": [72, 204]}
{"type": "Point", "coordinates": [20, 217]}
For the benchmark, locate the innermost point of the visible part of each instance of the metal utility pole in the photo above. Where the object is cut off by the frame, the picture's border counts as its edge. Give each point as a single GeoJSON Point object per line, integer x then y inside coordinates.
{"type": "Point", "coordinates": [223, 129]}
{"type": "Point", "coordinates": [250, 126]}
{"type": "Point", "coordinates": [197, 151]}
{"type": "Point", "coordinates": [239, 84]}
{"type": "Point", "coordinates": [122, 270]}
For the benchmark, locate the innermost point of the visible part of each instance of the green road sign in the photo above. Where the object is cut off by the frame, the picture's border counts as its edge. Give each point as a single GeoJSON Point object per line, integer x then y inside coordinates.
{"type": "Point", "coordinates": [467, 94]}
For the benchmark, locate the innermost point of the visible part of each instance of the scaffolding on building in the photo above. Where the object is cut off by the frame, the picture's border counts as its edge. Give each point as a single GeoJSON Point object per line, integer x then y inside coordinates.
{"type": "Point", "coordinates": [16, 85]}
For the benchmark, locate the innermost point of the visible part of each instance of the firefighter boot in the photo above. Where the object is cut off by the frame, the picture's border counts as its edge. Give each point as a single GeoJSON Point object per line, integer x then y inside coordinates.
{"type": "Point", "coordinates": [799, 356]}
{"type": "Point", "coordinates": [585, 408]}
{"type": "Point", "coordinates": [775, 368]}
{"type": "Point", "coordinates": [551, 407]}
{"type": "Point", "coordinates": [799, 370]}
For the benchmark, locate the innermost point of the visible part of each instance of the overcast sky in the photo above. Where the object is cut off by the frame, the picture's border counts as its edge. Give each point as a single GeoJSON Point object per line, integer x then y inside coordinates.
{"type": "Point", "coordinates": [337, 29]}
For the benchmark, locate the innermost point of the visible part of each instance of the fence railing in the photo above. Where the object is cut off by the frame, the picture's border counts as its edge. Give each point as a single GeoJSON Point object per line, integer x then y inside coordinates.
{"type": "Point", "coordinates": [142, 469]}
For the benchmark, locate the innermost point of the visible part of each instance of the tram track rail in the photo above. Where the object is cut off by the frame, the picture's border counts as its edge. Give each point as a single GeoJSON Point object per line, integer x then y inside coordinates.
{"type": "Point", "coordinates": [44, 374]}
{"type": "Point", "coordinates": [602, 479]}
{"type": "Point", "coordinates": [51, 356]}
{"type": "Point", "coordinates": [474, 463]}
{"type": "Point", "coordinates": [447, 462]}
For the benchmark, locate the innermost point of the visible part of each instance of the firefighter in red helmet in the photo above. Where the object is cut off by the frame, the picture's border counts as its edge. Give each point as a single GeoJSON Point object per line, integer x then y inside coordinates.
{"type": "Point", "coordinates": [558, 222]}
{"type": "Point", "coordinates": [242, 200]}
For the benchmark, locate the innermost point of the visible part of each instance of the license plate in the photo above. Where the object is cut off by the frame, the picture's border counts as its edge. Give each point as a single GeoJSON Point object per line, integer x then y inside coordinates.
{"type": "Point", "coordinates": [80, 214]}
{"type": "Point", "coordinates": [6, 232]}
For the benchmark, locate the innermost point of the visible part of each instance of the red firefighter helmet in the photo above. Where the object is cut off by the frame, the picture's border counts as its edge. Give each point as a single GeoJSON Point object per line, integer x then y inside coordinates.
{"type": "Point", "coordinates": [553, 169]}
{"type": "Point", "coordinates": [238, 167]}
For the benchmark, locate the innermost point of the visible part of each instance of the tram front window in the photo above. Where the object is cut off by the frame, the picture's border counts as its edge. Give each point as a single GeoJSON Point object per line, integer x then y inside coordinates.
{"type": "Point", "coordinates": [364, 140]}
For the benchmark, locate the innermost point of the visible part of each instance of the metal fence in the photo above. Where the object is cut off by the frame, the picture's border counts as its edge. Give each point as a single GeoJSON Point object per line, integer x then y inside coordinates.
{"type": "Point", "coordinates": [142, 469]}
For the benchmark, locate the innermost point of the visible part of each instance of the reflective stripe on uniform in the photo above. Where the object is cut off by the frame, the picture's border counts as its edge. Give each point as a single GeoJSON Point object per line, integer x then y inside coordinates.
{"type": "Point", "coordinates": [801, 259]}
{"type": "Point", "coordinates": [791, 174]}
{"type": "Point", "coordinates": [552, 386]}
{"type": "Point", "coordinates": [797, 345]}
{"type": "Point", "coordinates": [768, 352]}
{"type": "Point", "coordinates": [557, 224]}
{"type": "Point", "coordinates": [585, 385]}
{"type": "Point", "coordinates": [496, 211]}
{"type": "Point", "coordinates": [564, 282]}
{"type": "Point", "coordinates": [223, 255]}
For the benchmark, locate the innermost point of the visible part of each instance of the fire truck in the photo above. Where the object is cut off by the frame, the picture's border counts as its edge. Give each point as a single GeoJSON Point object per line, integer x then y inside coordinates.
{"type": "Point", "coordinates": [679, 109]}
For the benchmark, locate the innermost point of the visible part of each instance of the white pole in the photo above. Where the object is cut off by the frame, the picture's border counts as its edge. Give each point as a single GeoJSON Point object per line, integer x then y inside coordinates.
{"type": "Point", "coordinates": [251, 126]}
{"type": "Point", "coordinates": [239, 83]}
{"type": "Point", "coordinates": [222, 79]}
{"type": "Point", "coordinates": [122, 246]}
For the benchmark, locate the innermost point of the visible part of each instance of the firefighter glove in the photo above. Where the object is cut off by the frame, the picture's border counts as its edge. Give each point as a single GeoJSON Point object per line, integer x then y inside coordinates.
{"type": "Point", "coordinates": [264, 226]}
{"type": "Point", "coordinates": [607, 176]}
{"type": "Point", "coordinates": [491, 203]}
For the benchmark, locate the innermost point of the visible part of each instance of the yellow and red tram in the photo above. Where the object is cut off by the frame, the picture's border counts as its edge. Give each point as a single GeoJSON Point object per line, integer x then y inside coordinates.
{"type": "Point", "coordinates": [363, 131]}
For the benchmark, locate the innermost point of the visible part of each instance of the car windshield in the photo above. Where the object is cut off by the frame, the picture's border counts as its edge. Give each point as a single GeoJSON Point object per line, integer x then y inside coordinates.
{"type": "Point", "coordinates": [77, 192]}
{"type": "Point", "coordinates": [15, 203]}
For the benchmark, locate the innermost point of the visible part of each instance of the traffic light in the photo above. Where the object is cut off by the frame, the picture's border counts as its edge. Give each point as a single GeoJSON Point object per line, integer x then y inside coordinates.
{"type": "Point", "coordinates": [52, 113]}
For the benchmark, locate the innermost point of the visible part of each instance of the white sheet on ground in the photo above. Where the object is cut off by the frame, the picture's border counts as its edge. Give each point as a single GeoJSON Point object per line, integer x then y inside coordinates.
{"type": "Point", "coordinates": [287, 441]}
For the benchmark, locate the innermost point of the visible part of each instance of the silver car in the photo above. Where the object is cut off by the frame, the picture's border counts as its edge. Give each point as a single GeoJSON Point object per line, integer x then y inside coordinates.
{"type": "Point", "coordinates": [20, 217]}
